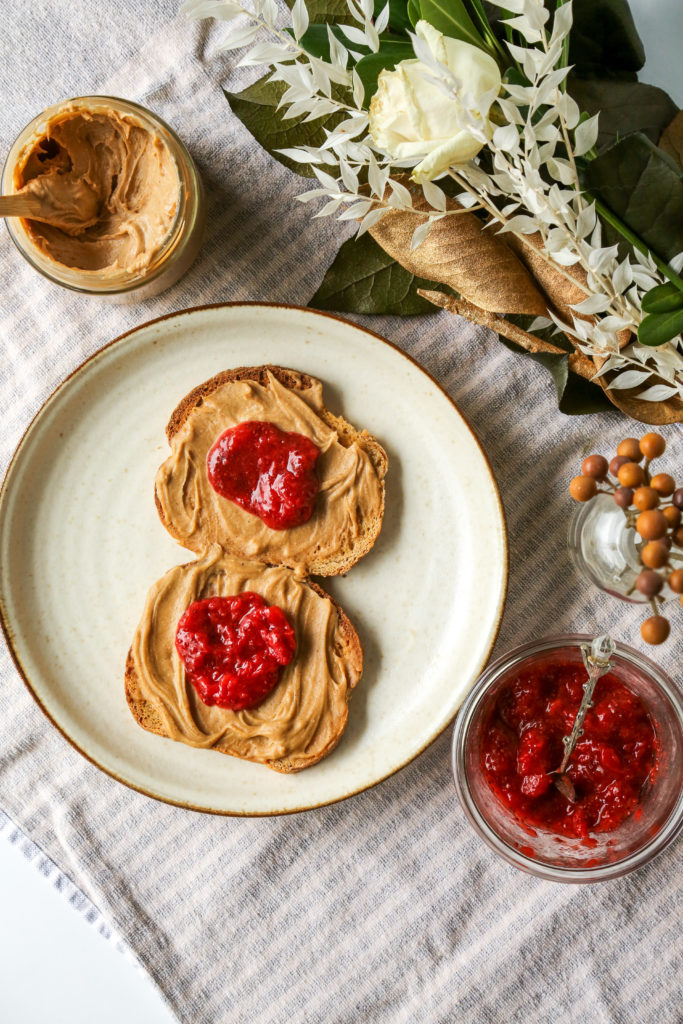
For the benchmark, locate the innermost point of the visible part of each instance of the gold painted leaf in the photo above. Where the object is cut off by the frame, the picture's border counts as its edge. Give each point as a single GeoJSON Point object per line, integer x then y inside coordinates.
{"type": "Point", "coordinates": [578, 362]}
{"type": "Point", "coordinates": [672, 139]}
{"type": "Point", "coordinates": [475, 263]}
{"type": "Point", "coordinates": [561, 292]}
{"type": "Point", "coordinates": [658, 414]}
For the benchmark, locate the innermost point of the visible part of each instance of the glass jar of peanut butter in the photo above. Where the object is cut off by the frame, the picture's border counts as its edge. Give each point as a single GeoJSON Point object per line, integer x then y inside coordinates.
{"type": "Point", "coordinates": [120, 201]}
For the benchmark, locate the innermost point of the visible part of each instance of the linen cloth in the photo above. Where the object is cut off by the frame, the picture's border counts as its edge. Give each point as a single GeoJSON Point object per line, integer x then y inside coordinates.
{"type": "Point", "coordinates": [386, 907]}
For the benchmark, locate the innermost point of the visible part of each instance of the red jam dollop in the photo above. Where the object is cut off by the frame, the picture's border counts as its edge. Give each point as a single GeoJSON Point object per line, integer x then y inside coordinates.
{"type": "Point", "coordinates": [234, 648]}
{"type": "Point", "coordinates": [266, 471]}
{"type": "Point", "coordinates": [522, 746]}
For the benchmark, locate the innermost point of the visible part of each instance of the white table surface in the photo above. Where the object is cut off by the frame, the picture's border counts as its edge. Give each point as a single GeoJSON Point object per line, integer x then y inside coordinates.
{"type": "Point", "coordinates": [54, 966]}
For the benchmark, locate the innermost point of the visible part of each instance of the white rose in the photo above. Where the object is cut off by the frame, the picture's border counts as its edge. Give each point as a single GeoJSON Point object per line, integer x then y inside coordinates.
{"type": "Point", "coordinates": [411, 117]}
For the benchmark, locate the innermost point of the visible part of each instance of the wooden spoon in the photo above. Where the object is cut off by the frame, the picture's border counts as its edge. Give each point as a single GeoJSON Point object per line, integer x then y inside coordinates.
{"type": "Point", "coordinates": [69, 203]}
{"type": "Point", "coordinates": [21, 206]}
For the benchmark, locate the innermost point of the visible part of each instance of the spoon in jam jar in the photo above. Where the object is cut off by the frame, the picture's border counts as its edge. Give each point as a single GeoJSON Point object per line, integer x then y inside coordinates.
{"type": "Point", "coordinates": [597, 660]}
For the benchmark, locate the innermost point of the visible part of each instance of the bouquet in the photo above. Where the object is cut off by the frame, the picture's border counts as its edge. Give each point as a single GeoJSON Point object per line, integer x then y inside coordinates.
{"type": "Point", "coordinates": [502, 161]}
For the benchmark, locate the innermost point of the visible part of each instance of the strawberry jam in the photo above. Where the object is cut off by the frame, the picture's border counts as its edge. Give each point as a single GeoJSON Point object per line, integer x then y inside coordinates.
{"type": "Point", "coordinates": [522, 747]}
{"type": "Point", "coordinates": [234, 648]}
{"type": "Point", "coordinates": [266, 471]}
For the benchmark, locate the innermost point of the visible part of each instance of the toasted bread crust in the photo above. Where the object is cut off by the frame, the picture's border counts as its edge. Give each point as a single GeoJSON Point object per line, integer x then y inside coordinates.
{"type": "Point", "coordinates": [348, 435]}
{"type": "Point", "coordinates": [349, 647]}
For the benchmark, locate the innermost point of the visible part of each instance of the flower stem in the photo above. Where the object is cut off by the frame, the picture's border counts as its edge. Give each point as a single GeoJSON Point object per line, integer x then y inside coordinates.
{"type": "Point", "coordinates": [635, 241]}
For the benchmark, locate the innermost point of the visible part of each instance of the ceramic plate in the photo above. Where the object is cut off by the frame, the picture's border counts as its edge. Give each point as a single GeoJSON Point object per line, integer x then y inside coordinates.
{"type": "Point", "coordinates": [80, 544]}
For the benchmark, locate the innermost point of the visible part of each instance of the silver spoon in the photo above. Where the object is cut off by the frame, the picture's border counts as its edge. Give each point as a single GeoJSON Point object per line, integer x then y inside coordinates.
{"type": "Point", "coordinates": [597, 660]}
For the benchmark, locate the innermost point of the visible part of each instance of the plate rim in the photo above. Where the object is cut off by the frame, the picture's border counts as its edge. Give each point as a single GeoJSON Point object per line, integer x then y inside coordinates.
{"type": "Point", "coordinates": [7, 631]}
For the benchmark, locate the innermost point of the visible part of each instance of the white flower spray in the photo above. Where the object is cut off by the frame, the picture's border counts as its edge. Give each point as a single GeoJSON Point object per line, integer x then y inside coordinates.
{"type": "Point", "coordinates": [533, 189]}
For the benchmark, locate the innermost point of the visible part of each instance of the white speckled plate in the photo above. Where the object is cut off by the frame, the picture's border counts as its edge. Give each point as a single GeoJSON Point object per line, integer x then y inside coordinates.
{"type": "Point", "coordinates": [80, 544]}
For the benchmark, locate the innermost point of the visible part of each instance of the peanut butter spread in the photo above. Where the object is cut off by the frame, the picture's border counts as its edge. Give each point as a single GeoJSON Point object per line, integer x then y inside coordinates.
{"type": "Point", "coordinates": [108, 188]}
{"type": "Point", "coordinates": [350, 490]}
{"type": "Point", "coordinates": [307, 710]}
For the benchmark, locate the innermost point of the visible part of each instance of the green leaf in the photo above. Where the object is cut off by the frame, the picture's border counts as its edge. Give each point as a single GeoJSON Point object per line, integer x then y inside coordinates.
{"type": "Point", "coordinates": [604, 41]}
{"type": "Point", "coordinates": [364, 279]}
{"type": "Point", "coordinates": [658, 328]}
{"type": "Point", "coordinates": [414, 12]}
{"type": "Point", "coordinates": [316, 41]}
{"type": "Point", "coordinates": [327, 11]}
{"type": "Point", "coordinates": [644, 187]}
{"type": "Point", "coordinates": [624, 107]}
{"type": "Point", "coordinates": [604, 38]}
{"type": "Point", "coordinates": [256, 107]}
{"type": "Point", "coordinates": [575, 395]}
{"type": "Point", "coordinates": [671, 140]}
{"type": "Point", "coordinates": [665, 298]}
{"type": "Point", "coordinates": [398, 14]}
{"type": "Point", "coordinates": [451, 18]}
{"type": "Point", "coordinates": [389, 55]}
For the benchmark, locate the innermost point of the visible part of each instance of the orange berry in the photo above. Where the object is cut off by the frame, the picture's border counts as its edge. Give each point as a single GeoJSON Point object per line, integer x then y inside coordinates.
{"type": "Point", "coordinates": [630, 447]}
{"type": "Point", "coordinates": [631, 475]}
{"type": "Point", "coordinates": [651, 525]}
{"type": "Point", "coordinates": [652, 445]}
{"type": "Point", "coordinates": [672, 516]}
{"type": "Point", "coordinates": [649, 582]}
{"type": "Point", "coordinates": [617, 462]}
{"type": "Point", "coordinates": [654, 555]}
{"type": "Point", "coordinates": [645, 498]}
{"type": "Point", "coordinates": [583, 488]}
{"type": "Point", "coordinates": [676, 581]}
{"type": "Point", "coordinates": [595, 466]}
{"type": "Point", "coordinates": [655, 630]}
{"type": "Point", "coordinates": [623, 497]}
{"type": "Point", "coordinates": [663, 484]}
{"type": "Point", "coordinates": [677, 536]}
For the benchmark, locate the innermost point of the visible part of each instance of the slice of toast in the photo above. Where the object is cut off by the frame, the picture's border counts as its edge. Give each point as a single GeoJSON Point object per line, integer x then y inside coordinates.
{"type": "Point", "coordinates": [341, 647]}
{"type": "Point", "coordinates": [343, 549]}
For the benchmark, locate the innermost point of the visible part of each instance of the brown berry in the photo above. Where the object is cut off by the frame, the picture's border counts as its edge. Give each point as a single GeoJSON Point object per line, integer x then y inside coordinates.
{"type": "Point", "coordinates": [624, 497]}
{"type": "Point", "coordinates": [678, 498]}
{"type": "Point", "coordinates": [654, 555]}
{"type": "Point", "coordinates": [645, 498]}
{"type": "Point", "coordinates": [651, 525]}
{"type": "Point", "coordinates": [617, 462]}
{"type": "Point", "coordinates": [583, 488]}
{"type": "Point", "coordinates": [655, 630]}
{"type": "Point", "coordinates": [631, 475]}
{"type": "Point", "coordinates": [630, 447]}
{"type": "Point", "coordinates": [677, 536]}
{"type": "Point", "coordinates": [676, 581]}
{"type": "Point", "coordinates": [672, 516]}
{"type": "Point", "coordinates": [595, 466]}
{"type": "Point", "coordinates": [652, 445]}
{"type": "Point", "coordinates": [649, 583]}
{"type": "Point", "coordinates": [663, 484]}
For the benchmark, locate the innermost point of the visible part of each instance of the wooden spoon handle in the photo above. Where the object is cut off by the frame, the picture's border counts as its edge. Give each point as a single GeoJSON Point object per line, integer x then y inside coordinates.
{"type": "Point", "coordinates": [19, 206]}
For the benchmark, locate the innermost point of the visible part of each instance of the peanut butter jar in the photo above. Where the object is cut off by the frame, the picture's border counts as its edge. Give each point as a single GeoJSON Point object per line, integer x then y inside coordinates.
{"type": "Point", "coordinates": [124, 198]}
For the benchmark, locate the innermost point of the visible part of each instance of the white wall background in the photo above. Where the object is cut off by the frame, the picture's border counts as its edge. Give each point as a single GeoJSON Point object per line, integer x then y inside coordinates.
{"type": "Point", "coordinates": [660, 23]}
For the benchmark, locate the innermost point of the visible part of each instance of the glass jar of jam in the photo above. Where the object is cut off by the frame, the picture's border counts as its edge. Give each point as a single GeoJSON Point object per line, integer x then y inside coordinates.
{"type": "Point", "coordinates": [624, 800]}
{"type": "Point", "coordinates": [126, 193]}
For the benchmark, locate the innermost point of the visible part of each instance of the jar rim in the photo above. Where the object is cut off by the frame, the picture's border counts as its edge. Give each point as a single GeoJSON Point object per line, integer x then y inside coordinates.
{"type": "Point", "coordinates": [185, 168]}
{"type": "Point", "coordinates": [554, 872]}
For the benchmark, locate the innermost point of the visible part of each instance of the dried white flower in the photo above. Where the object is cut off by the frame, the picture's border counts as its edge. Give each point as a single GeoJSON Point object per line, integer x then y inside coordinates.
{"type": "Point", "coordinates": [439, 121]}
